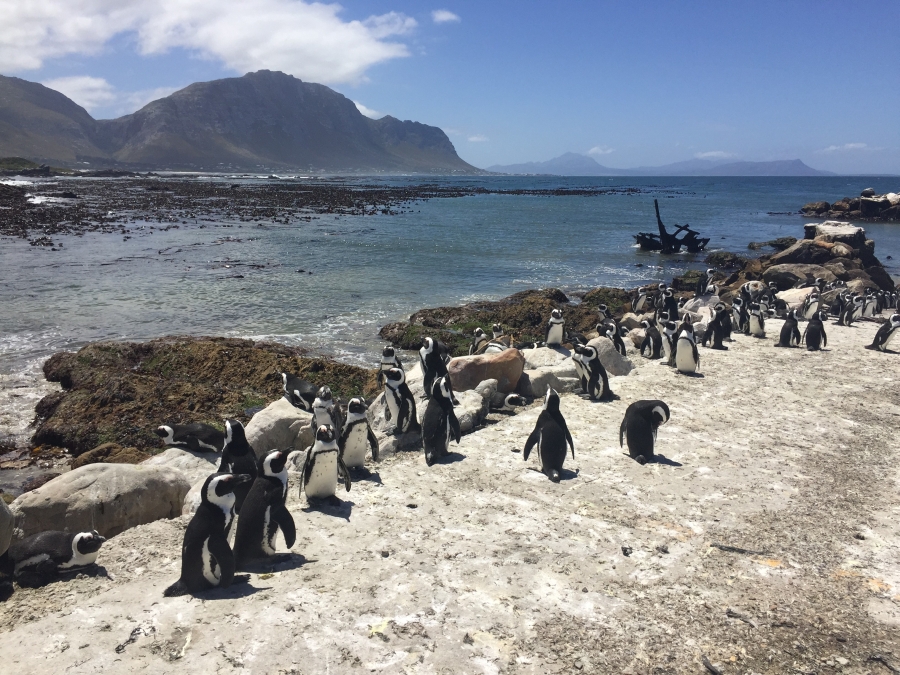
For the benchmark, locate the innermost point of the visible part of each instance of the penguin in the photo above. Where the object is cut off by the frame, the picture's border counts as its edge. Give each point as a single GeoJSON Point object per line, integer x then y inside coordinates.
{"type": "Point", "coordinates": [605, 314]}
{"type": "Point", "coordinates": [39, 559]}
{"type": "Point", "coordinates": [439, 424]}
{"type": "Point", "coordinates": [401, 406]}
{"type": "Point", "coordinates": [324, 409]}
{"type": "Point", "coordinates": [659, 301]}
{"type": "Point", "coordinates": [298, 391]}
{"type": "Point", "coordinates": [837, 306]}
{"type": "Point", "coordinates": [670, 341]}
{"type": "Point", "coordinates": [500, 337]}
{"type": "Point", "coordinates": [323, 466]}
{"type": "Point", "coordinates": [612, 332]}
{"type": "Point", "coordinates": [580, 369]}
{"type": "Point", "coordinates": [757, 322]}
{"type": "Point", "coordinates": [810, 305]}
{"type": "Point", "coordinates": [479, 343]}
{"type": "Point", "coordinates": [197, 437]}
{"type": "Point", "coordinates": [870, 303]}
{"type": "Point", "coordinates": [740, 316]}
{"type": "Point", "coordinates": [727, 325]}
{"type": "Point", "coordinates": [237, 458]}
{"type": "Point", "coordinates": [639, 426]}
{"type": "Point", "coordinates": [814, 335]}
{"type": "Point", "coordinates": [550, 435]}
{"type": "Point", "coordinates": [704, 282]}
{"type": "Point", "coordinates": [207, 560]}
{"type": "Point", "coordinates": [357, 435]}
{"type": "Point", "coordinates": [264, 513]}
{"type": "Point", "coordinates": [597, 387]}
{"type": "Point", "coordinates": [653, 341]}
{"type": "Point", "coordinates": [853, 310]}
{"type": "Point", "coordinates": [389, 359]}
{"type": "Point", "coordinates": [510, 403]}
{"type": "Point", "coordinates": [555, 329]}
{"type": "Point", "coordinates": [687, 359]}
{"type": "Point", "coordinates": [434, 365]}
{"type": "Point", "coordinates": [639, 303]}
{"type": "Point", "coordinates": [790, 333]}
{"type": "Point", "coordinates": [885, 334]}
{"type": "Point", "coordinates": [715, 329]}
{"type": "Point", "coordinates": [670, 304]}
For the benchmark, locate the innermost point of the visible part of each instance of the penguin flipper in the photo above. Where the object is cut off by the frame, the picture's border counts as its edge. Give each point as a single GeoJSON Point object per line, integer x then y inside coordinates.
{"type": "Point", "coordinates": [824, 337]}
{"type": "Point", "coordinates": [454, 426]}
{"type": "Point", "coordinates": [286, 522]}
{"type": "Point", "coordinates": [373, 443]}
{"type": "Point", "coordinates": [219, 548]}
{"type": "Point", "coordinates": [533, 440]}
{"type": "Point", "coordinates": [343, 468]}
{"type": "Point", "coordinates": [307, 468]}
{"type": "Point", "coordinates": [622, 432]}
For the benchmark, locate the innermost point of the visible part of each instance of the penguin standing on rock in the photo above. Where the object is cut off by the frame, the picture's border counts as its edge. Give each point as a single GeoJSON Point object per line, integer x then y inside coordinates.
{"type": "Point", "coordinates": [790, 332]}
{"type": "Point", "coordinates": [357, 436]}
{"type": "Point", "coordinates": [639, 426]}
{"type": "Point", "coordinates": [670, 304]}
{"type": "Point", "coordinates": [886, 332]}
{"type": "Point", "coordinates": [264, 512]}
{"type": "Point", "coordinates": [814, 335]}
{"type": "Point", "coordinates": [389, 359]}
{"type": "Point", "coordinates": [439, 424]}
{"type": "Point", "coordinates": [324, 467]}
{"type": "Point", "coordinates": [400, 405]}
{"type": "Point", "coordinates": [39, 559]}
{"type": "Point", "coordinates": [612, 332]}
{"type": "Point", "coordinates": [298, 392]}
{"type": "Point", "coordinates": [433, 357]}
{"type": "Point", "coordinates": [555, 334]}
{"type": "Point", "coordinates": [550, 435]}
{"type": "Point", "coordinates": [653, 341]}
{"type": "Point", "coordinates": [237, 458]}
{"type": "Point", "coordinates": [207, 560]}
{"type": "Point", "coordinates": [197, 437]}
{"type": "Point", "coordinates": [704, 283]}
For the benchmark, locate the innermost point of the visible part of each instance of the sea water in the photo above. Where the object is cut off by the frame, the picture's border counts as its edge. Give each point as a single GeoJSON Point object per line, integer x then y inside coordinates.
{"type": "Point", "coordinates": [240, 279]}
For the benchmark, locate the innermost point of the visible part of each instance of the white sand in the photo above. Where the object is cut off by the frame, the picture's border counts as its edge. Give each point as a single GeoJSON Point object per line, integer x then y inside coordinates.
{"type": "Point", "coordinates": [498, 570]}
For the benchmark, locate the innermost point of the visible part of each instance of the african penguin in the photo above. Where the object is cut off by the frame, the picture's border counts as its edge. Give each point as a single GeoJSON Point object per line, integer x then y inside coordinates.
{"type": "Point", "coordinates": [757, 322]}
{"type": "Point", "coordinates": [389, 359]}
{"type": "Point", "coordinates": [510, 403]}
{"type": "Point", "coordinates": [612, 332]}
{"type": "Point", "coordinates": [790, 333]}
{"type": "Point", "coordinates": [325, 410]}
{"type": "Point", "coordinates": [357, 435]}
{"type": "Point", "coordinates": [670, 304]}
{"type": "Point", "coordinates": [810, 305]}
{"type": "Point", "coordinates": [715, 329]}
{"type": "Point", "coordinates": [197, 437]}
{"type": "Point", "coordinates": [207, 560]}
{"type": "Point", "coordinates": [264, 513]}
{"type": "Point", "coordinates": [687, 359]}
{"type": "Point", "coordinates": [432, 359]}
{"type": "Point", "coordinates": [885, 334]}
{"type": "Point", "coordinates": [638, 428]}
{"type": "Point", "coordinates": [704, 282]}
{"type": "Point", "coordinates": [439, 424]}
{"type": "Point", "coordinates": [639, 304]}
{"type": "Point", "coordinates": [400, 405]}
{"type": "Point", "coordinates": [323, 466]}
{"type": "Point", "coordinates": [555, 335]}
{"type": "Point", "coordinates": [597, 387]}
{"type": "Point", "coordinates": [237, 458]}
{"type": "Point", "coordinates": [814, 335]}
{"type": "Point", "coordinates": [670, 341]}
{"type": "Point", "coordinates": [550, 435]}
{"type": "Point", "coordinates": [39, 559]}
{"type": "Point", "coordinates": [298, 391]}
{"type": "Point", "coordinates": [479, 342]}
{"type": "Point", "coordinates": [653, 341]}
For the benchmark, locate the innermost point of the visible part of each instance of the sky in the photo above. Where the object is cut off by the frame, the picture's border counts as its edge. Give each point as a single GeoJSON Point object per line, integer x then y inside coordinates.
{"type": "Point", "coordinates": [628, 83]}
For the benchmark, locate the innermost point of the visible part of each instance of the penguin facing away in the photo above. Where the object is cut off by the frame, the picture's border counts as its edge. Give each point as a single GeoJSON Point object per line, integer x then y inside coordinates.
{"type": "Point", "coordinates": [550, 435]}
{"type": "Point", "coordinates": [264, 513]}
{"type": "Point", "coordinates": [207, 560]}
{"type": "Point", "coordinates": [237, 458]}
{"type": "Point", "coordinates": [197, 437]}
{"type": "Point", "coordinates": [323, 466]}
{"type": "Point", "coordinates": [580, 368]}
{"type": "Point", "coordinates": [298, 391]}
{"type": "Point", "coordinates": [886, 332]}
{"type": "Point", "coordinates": [434, 364]}
{"type": "Point", "coordinates": [39, 559]}
{"type": "Point", "coordinates": [653, 341]}
{"type": "Point", "coordinates": [715, 330]}
{"type": "Point", "coordinates": [357, 436]}
{"type": "Point", "coordinates": [389, 359]}
{"type": "Point", "coordinates": [400, 405]}
{"type": "Point", "coordinates": [439, 424]}
{"type": "Point", "coordinates": [814, 335]}
{"type": "Point", "coordinates": [790, 332]}
{"type": "Point", "coordinates": [555, 329]}
{"type": "Point", "coordinates": [639, 426]}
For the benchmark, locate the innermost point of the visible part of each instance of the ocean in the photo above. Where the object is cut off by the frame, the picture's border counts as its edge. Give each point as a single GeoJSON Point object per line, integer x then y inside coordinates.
{"type": "Point", "coordinates": [241, 279]}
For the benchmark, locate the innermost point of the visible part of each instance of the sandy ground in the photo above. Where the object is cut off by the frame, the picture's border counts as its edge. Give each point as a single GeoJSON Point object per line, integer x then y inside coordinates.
{"type": "Point", "coordinates": [481, 565]}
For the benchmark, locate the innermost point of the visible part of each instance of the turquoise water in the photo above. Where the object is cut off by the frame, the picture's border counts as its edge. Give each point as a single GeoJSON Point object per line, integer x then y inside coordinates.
{"type": "Point", "coordinates": [370, 270]}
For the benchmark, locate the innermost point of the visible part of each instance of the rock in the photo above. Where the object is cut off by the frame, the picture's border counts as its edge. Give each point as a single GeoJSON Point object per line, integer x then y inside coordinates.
{"type": "Point", "coordinates": [805, 252]}
{"type": "Point", "coordinates": [280, 426]}
{"type": "Point", "coordinates": [534, 383]}
{"type": "Point", "coordinates": [387, 442]}
{"type": "Point", "coordinates": [109, 498]}
{"type": "Point", "coordinates": [815, 207]}
{"type": "Point", "coordinates": [38, 481]}
{"type": "Point", "coordinates": [466, 372]}
{"type": "Point", "coordinates": [860, 285]}
{"type": "Point", "coordinates": [841, 250]}
{"type": "Point", "coordinates": [841, 206]}
{"type": "Point", "coordinates": [892, 213]}
{"type": "Point", "coordinates": [194, 465]}
{"type": "Point", "coordinates": [630, 321]}
{"type": "Point", "coordinates": [836, 231]}
{"type": "Point", "coordinates": [787, 276]}
{"type": "Point", "coordinates": [868, 192]}
{"type": "Point", "coordinates": [545, 356]}
{"type": "Point", "coordinates": [636, 337]}
{"type": "Point", "coordinates": [110, 453]}
{"type": "Point", "coordinates": [615, 363]}
{"type": "Point", "coordinates": [193, 498]}
{"type": "Point", "coordinates": [871, 208]}
{"type": "Point", "coordinates": [725, 260]}
{"type": "Point", "coordinates": [881, 278]}
{"type": "Point", "coordinates": [893, 198]}
{"type": "Point", "coordinates": [794, 297]}
{"type": "Point", "coordinates": [470, 412]}
{"type": "Point", "coordinates": [6, 527]}
{"type": "Point", "coordinates": [700, 330]}
{"type": "Point", "coordinates": [700, 306]}
{"type": "Point", "coordinates": [488, 390]}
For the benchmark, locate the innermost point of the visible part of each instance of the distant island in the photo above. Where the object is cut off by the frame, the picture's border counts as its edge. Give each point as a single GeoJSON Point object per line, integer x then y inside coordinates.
{"type": "Point", "coordinates": [262, 121]}
{"type": "Point", "coordinates": [573, 164]}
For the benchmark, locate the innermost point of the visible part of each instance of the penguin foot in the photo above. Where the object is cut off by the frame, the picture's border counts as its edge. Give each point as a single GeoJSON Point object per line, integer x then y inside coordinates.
{"type": "Point", "coordinates": [6, 590]}
{"type": "Point", "coordinates": [554, 476]}
{"type": "Point", "coordinates": [334, 500]}
{"type": "Point", "coordinates": [720, 348]}
{"type": "Point", "coordinates": [640, 459]}
{"type": "Point", "coordinates": [240, 579]}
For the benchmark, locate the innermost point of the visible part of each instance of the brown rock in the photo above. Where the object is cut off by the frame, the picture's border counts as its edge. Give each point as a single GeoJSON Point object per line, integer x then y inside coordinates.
{"type": "Point", "coordinates": [841, 250]}
{"type": "Point", "coordinates": [881, 278]}
{"type": "Point", "coordinates": [816, 207]}
{"type": "Point", "coordinates": [110, 453]}
{"type": "Point", "coordinates": [804, 252]}
{"type": "Point", "coordinates": [467, 372]}
{"type": "Point", "coordinates": [787, 276]}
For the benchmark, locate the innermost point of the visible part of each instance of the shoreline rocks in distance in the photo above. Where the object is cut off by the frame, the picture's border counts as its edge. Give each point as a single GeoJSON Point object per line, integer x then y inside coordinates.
{"type": "Point", "coordinates": [868, 207]}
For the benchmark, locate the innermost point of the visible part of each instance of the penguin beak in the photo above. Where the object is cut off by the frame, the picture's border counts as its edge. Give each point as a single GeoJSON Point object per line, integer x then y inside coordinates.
{"type": "Point", "coordinates": [99, 539]}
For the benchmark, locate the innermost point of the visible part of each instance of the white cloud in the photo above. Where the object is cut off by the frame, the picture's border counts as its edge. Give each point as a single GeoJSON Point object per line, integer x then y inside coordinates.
{"type": "Point", "coordinates": [478, 138]}
{"type": "Point", "coordinates": [88, 92]}
{"type": "Point", "coordinates": [713, 154]}
{"type": "Point", "coordinates": [444, 16]}
{"type": "Point", "coordinates": [368, 112]}
{"type": "Point", "coordinates": [308, 40]}
{"type": "Point", "coordinates": [844, 147]}
{"type": "Point", "coordinates": [601, 150]}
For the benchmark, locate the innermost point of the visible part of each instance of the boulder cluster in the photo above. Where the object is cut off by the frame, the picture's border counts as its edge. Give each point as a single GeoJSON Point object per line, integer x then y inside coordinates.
{"type": "Point", "coordinates": [867, 207]}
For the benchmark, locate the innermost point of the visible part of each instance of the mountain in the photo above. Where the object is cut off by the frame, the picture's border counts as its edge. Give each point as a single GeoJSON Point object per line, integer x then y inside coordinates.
{"type": "Point", "coordinates": [263, 119]}
{"type": "Point", "coordinates": [573, 164]}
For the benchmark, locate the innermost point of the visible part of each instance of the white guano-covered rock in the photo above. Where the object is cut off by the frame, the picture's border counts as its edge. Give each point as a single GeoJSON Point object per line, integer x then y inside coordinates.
{"type": "Point", "coordinates": [545, 356]}
{"type": "Point", "coordinates": [194, 465]}
{"type": "Point", "coordinates": [615, 363]}
{"type": "Point", "coordinates": [279, 426]}
{"type": "Point", "coordinates": [109, 498]}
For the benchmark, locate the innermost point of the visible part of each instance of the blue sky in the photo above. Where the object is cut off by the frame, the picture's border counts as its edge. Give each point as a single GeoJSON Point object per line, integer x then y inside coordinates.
{"type": "Point", "coordinates": [632, 84]}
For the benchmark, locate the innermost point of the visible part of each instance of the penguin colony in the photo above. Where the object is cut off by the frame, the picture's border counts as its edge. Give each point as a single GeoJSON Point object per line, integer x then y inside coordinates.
{"type": "Point", "coordinates": [251, 484]}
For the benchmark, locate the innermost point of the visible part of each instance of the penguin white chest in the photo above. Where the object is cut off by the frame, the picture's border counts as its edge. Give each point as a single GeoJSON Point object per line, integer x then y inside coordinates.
{"type": "Point", "coordinates": [355, 446]}
{"type": "Point", "coordinates": [211, 570]}
{"type": "Point", "coordinates": [756, 326]}
{"type": "Point", "coordinates": [269, 531]}
{"type": "Point", "coordinates": [555, 334]}
{"type": "Point", "coordinates": [684, 357]}
{"type": "Point", "coordinates": [323, 477]}
{"type": "Point", "coordinates": [390, 397]}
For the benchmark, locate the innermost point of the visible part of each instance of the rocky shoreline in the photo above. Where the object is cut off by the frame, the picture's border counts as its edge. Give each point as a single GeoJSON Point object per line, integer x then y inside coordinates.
{"type": "Point", "coordinates": [868, 207]}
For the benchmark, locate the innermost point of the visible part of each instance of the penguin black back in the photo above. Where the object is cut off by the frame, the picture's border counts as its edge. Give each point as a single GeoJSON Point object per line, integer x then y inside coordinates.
{"type": "Point", "coordinates": [814, 335]}
{"type": "Point", "coordinates": [550, 435]}
{"type": "Point", "coordinates": [264, 513]}
{"type": "Point", "coordinates": [40, 558]}
{"type": "Point", "coordinates": [298, 391]}
{"type": "Point", "coordinates": [790, 332]}
{"type": "Point", "coordinates": [439, 424]}
{"type": "Point", "coordinates": [197, 437]}
{"type": "Point", "coordinates": [432, 359]}
{"type": "Point", "coordinates": [638, 428]}
{"type": "Point", "coordinates": [238, 458]}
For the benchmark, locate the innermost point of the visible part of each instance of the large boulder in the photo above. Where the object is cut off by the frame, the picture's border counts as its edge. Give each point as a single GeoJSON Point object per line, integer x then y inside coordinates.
{"type": "Point", "coordinates": [7, 522]}
{"type": "Point", "coordinates": [701, 305]}
{"type": "Point", "coordinates": [109, 498]}
{"type": "Point", "coordinates": [837, 231]}
{"type": "Point", "coordinates": [467, 372]}
{"type": "Point", "coordinates": [804, 252]}
{"type": "Point", "coordinates": [881, 278]}
{"type": "Point", "coordinates": [860, 285]}
{"type": "Point", "coordinates": [193, 498]}
{"type": "Point", "coordinates": [872, 207]}
{"type": "Point", "coordinates": [787, 276]}
{"type": "Point", "coordinates": [545, 356]}
{"type": "Point", "coordinates": [194, 465]}
{"type": "Point", "coordinates": [110, 453]}
{"type": "Point", "coordinates": [636, 337]}
{"type": "Point", "coordinates": [613, 361]}
{"type": "Point", "coordinates": [470, 412]}
{"type": "Point", "coordinates": [280, 426]}
{"type": "Point", "coordinates": [794, 297]}
{"type": "Point", "coordinates": [815, 207]}
{"type": "Point", "coordinates": [534, 383]}
{"type": "Point", "coordinates": [631, 321]}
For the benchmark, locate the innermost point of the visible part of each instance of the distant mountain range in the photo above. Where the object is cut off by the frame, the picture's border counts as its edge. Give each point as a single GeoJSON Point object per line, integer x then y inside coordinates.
{"type": "Point", "coordinates": [573, 164]}
{"type": "Point", "coordinates": [263, 120]}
